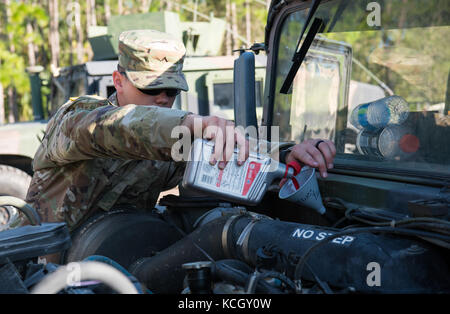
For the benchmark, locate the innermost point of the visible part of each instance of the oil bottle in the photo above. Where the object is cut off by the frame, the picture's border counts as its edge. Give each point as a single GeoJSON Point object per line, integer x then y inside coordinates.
{"type": "Point", "coordinates": [244, 184]}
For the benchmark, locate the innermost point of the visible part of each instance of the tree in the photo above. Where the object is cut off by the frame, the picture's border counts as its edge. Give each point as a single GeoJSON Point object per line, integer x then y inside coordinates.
{"type": "Point", "coordinates": [54, 34]}
{"type": "Point", "coordinates": [107, 8]}
{"type": "Point", "coordinates": [248, 23]}
{"type": "Point", "coordinates": [15, 53]}
{"type": "Point", "coordinates": [228, 34]}
{"type": "Point", "coordinates": [234, 26]}
{"type": "Point", "coordinates": [119, 7]}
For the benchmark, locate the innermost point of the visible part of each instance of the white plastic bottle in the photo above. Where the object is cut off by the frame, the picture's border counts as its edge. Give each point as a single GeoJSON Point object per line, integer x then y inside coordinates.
{"type": "Point", "coordinates": [380, 113]}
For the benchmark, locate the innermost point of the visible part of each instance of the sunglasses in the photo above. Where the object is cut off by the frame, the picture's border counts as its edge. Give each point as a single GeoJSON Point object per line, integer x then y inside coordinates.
{"type": "Point", "coordinates": [171, 92]}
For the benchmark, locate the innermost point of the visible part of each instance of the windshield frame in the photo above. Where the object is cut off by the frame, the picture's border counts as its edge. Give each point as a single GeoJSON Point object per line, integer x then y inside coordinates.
{"type": "Point", "coordinates": [341, 166]}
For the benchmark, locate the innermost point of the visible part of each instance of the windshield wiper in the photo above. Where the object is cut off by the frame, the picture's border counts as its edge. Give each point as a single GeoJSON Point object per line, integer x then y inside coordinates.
{"type": "Point", "coordinates": [300, 54]}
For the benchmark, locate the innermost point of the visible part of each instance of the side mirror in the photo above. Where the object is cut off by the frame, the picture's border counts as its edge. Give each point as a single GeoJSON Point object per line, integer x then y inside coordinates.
{"type": "Point", "coordinates": [244, 90]}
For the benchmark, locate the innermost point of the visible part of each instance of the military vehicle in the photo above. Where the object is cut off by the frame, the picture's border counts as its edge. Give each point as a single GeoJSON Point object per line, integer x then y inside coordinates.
{"type": "Point", "coordinates": [208, 73]}
{"type": "Point", "coordinates": [386, 226]}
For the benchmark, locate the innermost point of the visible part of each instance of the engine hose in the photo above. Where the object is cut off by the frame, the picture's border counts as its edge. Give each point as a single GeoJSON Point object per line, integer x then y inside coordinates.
{"type": "Point", "coordinates": [107, 260]}
{"type": "Point", "coordinates": [58, 280]}
{"type": "Point", "coordinates": [22, 206]}
{"type": "Point", "coordinates": [163, 273]}
{"type": "Point", "coordinates": [409, 265]}
{"type": "Point", "coordinates": [300, 265]}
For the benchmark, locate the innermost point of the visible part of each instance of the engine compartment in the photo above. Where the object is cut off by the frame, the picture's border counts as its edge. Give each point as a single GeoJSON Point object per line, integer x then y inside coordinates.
{"type": "Point", "coordinates": [194, 244]}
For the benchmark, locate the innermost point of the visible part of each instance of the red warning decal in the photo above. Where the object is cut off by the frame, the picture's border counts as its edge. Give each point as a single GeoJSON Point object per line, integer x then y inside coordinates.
{"type": "Point", "coordinates": [219, 179]}
{"type": "Point", "coordinates": [252, 172]}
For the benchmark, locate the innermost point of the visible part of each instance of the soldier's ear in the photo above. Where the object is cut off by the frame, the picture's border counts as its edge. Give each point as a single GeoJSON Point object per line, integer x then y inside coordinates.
{"type": "Point", "coordinates": [118, 81]}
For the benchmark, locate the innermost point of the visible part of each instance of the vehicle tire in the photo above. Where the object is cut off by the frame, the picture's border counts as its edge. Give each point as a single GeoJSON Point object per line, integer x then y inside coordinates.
{"type": "Point", "coordinates": [14, 182]}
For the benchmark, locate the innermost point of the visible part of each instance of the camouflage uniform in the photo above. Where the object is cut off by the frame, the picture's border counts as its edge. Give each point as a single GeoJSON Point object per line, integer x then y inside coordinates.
{"type": "Point", "coordinates": [96, 155]}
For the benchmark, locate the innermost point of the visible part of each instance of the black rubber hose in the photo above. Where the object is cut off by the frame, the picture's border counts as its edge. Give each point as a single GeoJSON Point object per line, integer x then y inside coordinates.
{"type": "Point", "coordinates": [301, 263]}
{"type": "Point", "coordinates": [163, 272]}
{"type": "Point", "coordinates": [410, 265]}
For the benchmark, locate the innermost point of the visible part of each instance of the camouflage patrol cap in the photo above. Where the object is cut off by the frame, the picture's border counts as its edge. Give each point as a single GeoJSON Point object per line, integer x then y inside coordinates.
{"type": "Point", "coordinates": [152, 59]}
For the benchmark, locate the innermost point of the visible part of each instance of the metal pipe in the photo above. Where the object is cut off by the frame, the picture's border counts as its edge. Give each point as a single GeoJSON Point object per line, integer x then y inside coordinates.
{"type": "Point", "coordinates": [21, 205]}
{"type": "Point", "coordinates": [75, 272]}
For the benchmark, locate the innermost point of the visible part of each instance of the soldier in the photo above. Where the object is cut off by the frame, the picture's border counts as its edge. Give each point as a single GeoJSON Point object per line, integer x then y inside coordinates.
{"type": "Point", "coordinates": [102, 153]}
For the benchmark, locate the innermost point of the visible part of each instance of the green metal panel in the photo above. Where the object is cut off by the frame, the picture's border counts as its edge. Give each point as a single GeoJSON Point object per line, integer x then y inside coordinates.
{"type": "Point", "coordinates": [36, 94]}
{"type": "Point", "coordinates": [204, 38]}
{"type": "Point", "coordinates": [21, 138]}
{"type": "Point", "coordinates": [105, 45]}
{"type": "Point", "coordinates": [202, 73]}
{"type": "Point", "coordinates": [101, 43]}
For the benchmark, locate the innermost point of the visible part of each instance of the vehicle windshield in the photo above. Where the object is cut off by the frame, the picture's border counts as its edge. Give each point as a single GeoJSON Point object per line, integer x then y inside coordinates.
{"type": "Point", "coordinates": [375, 81]}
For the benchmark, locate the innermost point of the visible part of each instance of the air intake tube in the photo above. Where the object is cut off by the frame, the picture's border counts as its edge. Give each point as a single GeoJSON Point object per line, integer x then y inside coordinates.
{"type": "Point", "coordinates": [364, 261]}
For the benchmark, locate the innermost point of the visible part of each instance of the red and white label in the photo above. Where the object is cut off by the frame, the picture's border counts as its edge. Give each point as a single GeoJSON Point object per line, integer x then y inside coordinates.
{"type": "Point", "coordinates": [219, 179]}
{"type": "Point", "coordinates": [252, 172]}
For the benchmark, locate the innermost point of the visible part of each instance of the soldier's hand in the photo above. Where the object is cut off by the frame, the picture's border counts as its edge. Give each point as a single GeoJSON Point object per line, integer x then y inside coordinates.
{"type": "Point", "coordinates": [315, 153]}
{"type": "Point", "coordinates": [225, 137]}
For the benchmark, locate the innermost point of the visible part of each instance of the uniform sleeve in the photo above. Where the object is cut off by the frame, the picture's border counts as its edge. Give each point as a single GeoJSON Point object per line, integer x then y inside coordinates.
{"type": "Point", "coordinates": [175, 175]}
{"type": "Point", "coordinates": [129, 132]}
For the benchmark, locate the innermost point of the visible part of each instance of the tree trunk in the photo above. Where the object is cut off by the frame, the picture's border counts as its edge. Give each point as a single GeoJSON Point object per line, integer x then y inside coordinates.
{"type": "Point", "coordinates": [79, 33]}
{"type": "Point", "coordinates": [88, 15]}
{"type": "Point", "coordinates": [234, 37]}
{"type": "Point", "coordinates": [12, 48]}
{"type": "Point", "coordinates": [2, 95]}
{"type": "Point", "coordinates": [228, 33]}
{"type": "Point", "coordinates": [13, 114]}
{"type": "Point", "coordinates": [2, 105]}
{"type": "Point", "coordinates": [168, 5]}
{"type": "Point", "coordinates": [30, 45]}
{"type": "Point", "coordinates": [93, 13]}
{"type": "Point", "coordinates": [402, 18]}
{"type": "Point", "coordinates": [54, 35]}
{"type": "Point", "coordinates": [92, 21]}
{"type": "Point", "coordinates": [107, 11]}
{"type": "Point", "coordinates": [145, 5]}
{"type": "Point", "coordinates": [195, 10]}
{"type": "Point", "coordinates": [70, 40]}
{"type": "Point", "coordinates": [177, 6]}
{"type": "Point", "coordinates": [120, 7]}
{"type": "Point", "coordinates": [248, 24]}
{"type": "Point", "coordinates": [12, 104]}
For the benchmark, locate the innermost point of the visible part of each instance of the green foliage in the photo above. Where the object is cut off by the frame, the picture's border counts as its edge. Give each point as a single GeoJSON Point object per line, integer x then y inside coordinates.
{"type": "Point", "coordinates": [13, 64]}
{"type": "Point", "coordinates": [12, 70]}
